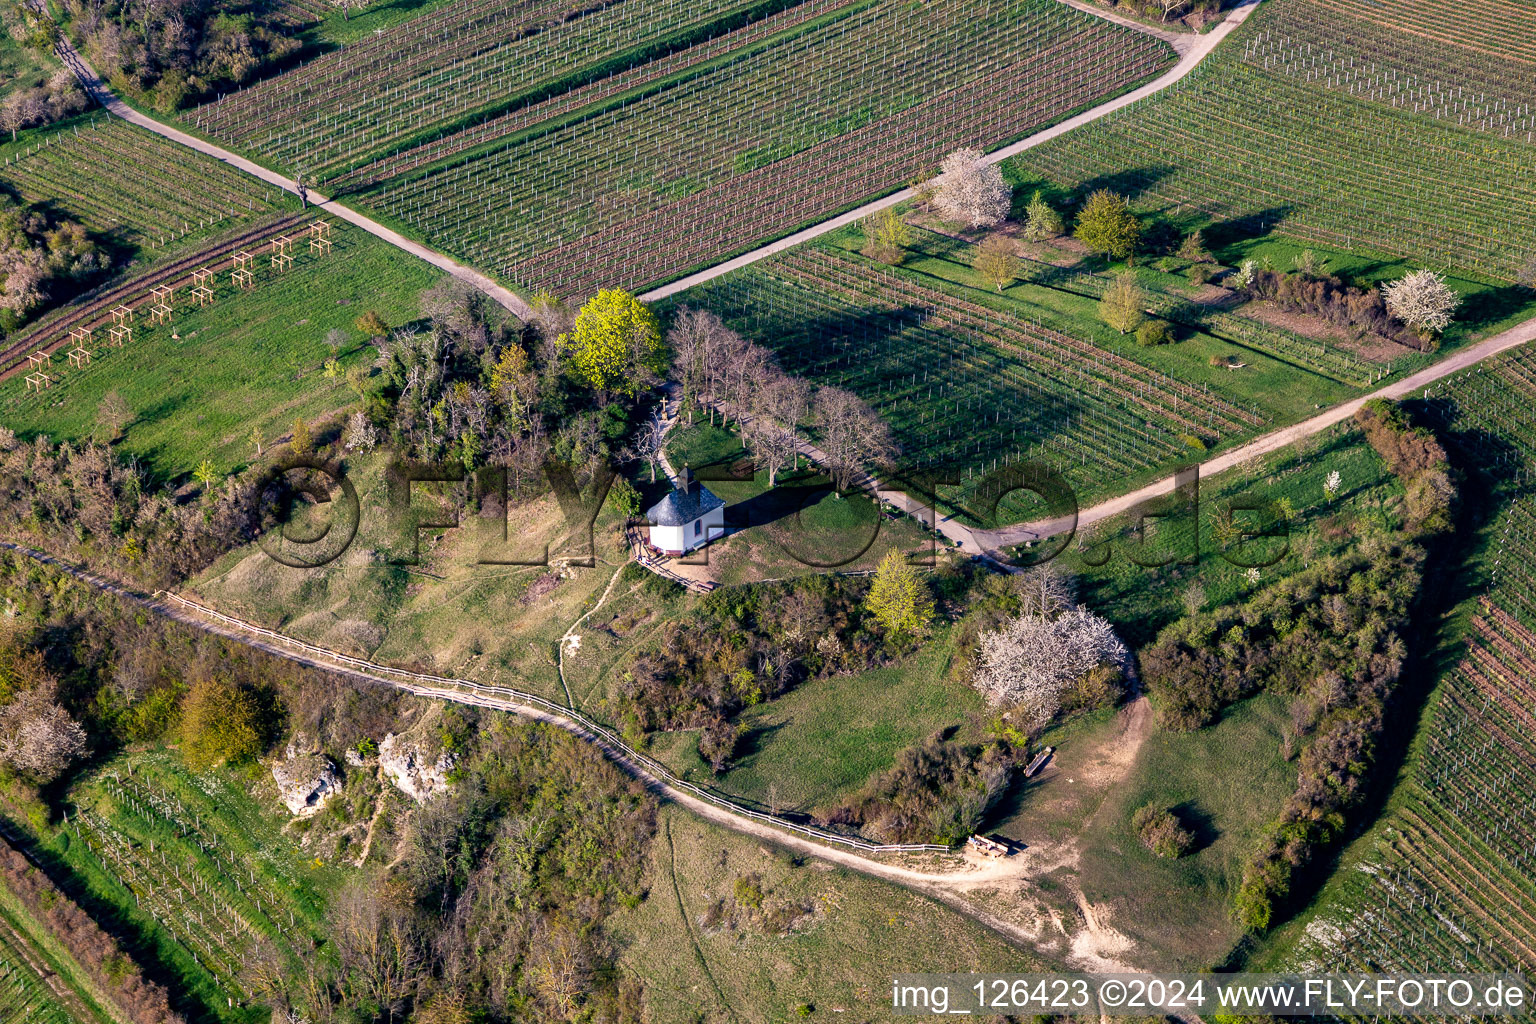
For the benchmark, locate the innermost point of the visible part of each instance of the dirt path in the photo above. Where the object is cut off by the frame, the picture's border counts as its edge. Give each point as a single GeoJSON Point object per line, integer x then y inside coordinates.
{"type": "Point", "coordinates": [959, 881]}
{"type": "Point", "coordinates": [97, 89]}
{"type": "Point", "coordinates": [1196, 52]}
{"type": "Point", "coordinates": [988, 541]}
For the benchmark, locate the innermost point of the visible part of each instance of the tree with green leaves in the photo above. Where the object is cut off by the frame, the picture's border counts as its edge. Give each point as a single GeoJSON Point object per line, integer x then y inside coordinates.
{"type": "Point", "coordinates": [886, 237]}
{"type": "Point", "coordinates": [220, 723]}
{"type": "Point", "coordinates": [996, 262]}
{"type": "Point", "coordinates": [206, 475]}
{"type": "Point", "coordinates": [303, 441]}
{"type": "Point", "coordinates": [1124, 305]}
{"type": "Point", "coordinates": [899, 599]}
{"type": "Point", "coordinates": [1040, 220]}
{"type": "Point", "coordinates": [1193, 248]}
{"type": "Point", "coordinates": [615, 344]}
{"type": "Point", "coordinates": [1107, 226]}
{"type": "Point", "coordinates": [373, 325]}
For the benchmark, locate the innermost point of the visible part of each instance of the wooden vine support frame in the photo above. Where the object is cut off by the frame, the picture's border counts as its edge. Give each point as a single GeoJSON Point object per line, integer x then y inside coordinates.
{"type": "Point", "coordinates": [119, 333]}
{"type": "Point", "coordinates": [320, 238]}
{"type": "Point", "coordinates": [79, 357]}
{"type": "Point", "coordinates": [122, 315]}
{"type": "Point", "coordinates": [202, 291]}
{"type": "Point", "coordinates": [282, 252]}
{"type": "Point", "coordinates": [242, 278]}
{"type": "Point", "coordinates": [160, 314]}
{"type": "Point", "coordinates": [38, 381]}
{"type": "Point", "coordinates": [164, 294]}
{"type": "Point", "coordinates": [39, 358]}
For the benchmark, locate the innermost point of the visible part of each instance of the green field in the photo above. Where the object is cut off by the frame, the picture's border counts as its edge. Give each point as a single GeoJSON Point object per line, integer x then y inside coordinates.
{"type": "Point", "coordinates": [251, 359]}
{"type": "Point", "coordinates": [1445, 874]}
{"type": "Point", "coordinates": [968, 383]}
{"type": "Point", "coordinates": [846, 934]}
{"type": "Point", "coordinates": [815, 746]}
{"type": "Point", "coordinates": [194, 871]}
{"type": "Point", "coordinates": [507, 157]}
{"type": "Point", "coordinates": [1256, 149]}
{"type": "Point", "coordinates": [1141, 599]}
{"type": "Point", "coordinates": [138, 191]}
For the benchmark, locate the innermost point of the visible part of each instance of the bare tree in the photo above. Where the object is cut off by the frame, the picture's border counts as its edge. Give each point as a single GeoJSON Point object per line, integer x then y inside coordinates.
{"type": "Point", "coordinates": [853, 437]}
{"type": "Point", "coordinates": [971, 190]}
{"type": "Point", "coordinates": [348, 6]}
{"type": "Point", "coordinates": [779, 407]}
{"type": "Point", "coordinates": [113, 414]}
{"type": "Point", "coordinates": [379, 946]}
{"type": "Point", "coordinates": [697, 336]}
{"type": "Point", "coordinates": [13, 114]}
{"type": "Point", "coordinates": [746, 367]}
{"type": "Point", "coordinates": [648, 444]}
{"type": "Point", "coordinates": [1044, 590]}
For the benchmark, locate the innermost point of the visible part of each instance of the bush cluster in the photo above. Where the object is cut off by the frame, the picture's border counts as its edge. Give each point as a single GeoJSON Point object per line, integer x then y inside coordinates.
{"type": "Point", "coordinates": [742, 646]}
{"type": "Point", "coordinates": [938, 791]}
{"type": "Point", "coordinates": [1335, 637]}
{"type": "Point", "coordinates": [1161, 832]}
{"type": "Point", "coordinates": [1360, 311]}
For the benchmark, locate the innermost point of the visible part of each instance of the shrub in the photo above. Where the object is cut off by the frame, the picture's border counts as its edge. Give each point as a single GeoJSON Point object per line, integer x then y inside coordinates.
{"type": "Point", "coordinates": [1153, 332]}
{"type": "Point", "coordinates": [1200, 273]}
{"type": "Point", "coordinates": [1161, 832]}
{"type": "Point", "coordinates": [1042, 222]}
{"type": "Point", "coordinates": [1106, 225]}
{"type": "Point", "coordinates": [1124, 304]}
{"type": "Point", "coordinates": [221, 722]}
{"type": "Point", "coordinates": [624, 499]}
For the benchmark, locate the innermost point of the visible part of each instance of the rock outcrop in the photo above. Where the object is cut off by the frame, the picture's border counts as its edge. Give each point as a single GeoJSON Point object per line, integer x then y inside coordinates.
{"type": "Point", "coordinates": [413, 772]}
{"type": "Point", "coordinates": [305, 782]}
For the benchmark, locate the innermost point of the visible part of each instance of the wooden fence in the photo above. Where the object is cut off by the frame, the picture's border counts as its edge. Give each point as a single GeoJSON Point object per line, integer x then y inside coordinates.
{"type": "Point", "coordinates": [506, 698]}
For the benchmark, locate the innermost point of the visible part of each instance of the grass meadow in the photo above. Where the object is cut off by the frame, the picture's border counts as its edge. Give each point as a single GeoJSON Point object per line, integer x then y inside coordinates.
{"type": "Point", "coordinates": [703, 963]}
{"type": "Point", "coordinates": [252, 359]}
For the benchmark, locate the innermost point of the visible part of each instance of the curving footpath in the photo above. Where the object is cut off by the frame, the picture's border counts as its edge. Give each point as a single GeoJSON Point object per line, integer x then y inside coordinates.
{"type": "Point", "coordinates": [97, 89]}
{"type": "Point", "coordinates": [946, 887]}
{"type": "Point", "coordinates": [656, 777]}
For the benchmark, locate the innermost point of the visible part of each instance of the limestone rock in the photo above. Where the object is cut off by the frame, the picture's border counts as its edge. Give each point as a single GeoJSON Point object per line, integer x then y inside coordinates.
{"type": "Point", "coordinates": [305, 782]}
{"type": "Point", "coordinates": [413, 772]}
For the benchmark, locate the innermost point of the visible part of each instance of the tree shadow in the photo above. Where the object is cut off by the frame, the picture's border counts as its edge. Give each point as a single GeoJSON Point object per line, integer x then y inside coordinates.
{"type": "Point", "coordinates": [752, 743]}
{"type": "Point", "coordinates": [1223, 234]}
{"type": "Point", "coordinates": [1493, 305]}
{"type": "Point", "coordinates": [1198, 822]}
{"type": "Point", "coordinates": [1130, 182]}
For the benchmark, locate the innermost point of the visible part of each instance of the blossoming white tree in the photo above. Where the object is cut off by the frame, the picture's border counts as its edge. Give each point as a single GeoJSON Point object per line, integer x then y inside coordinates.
{"type": "Point", "coordinates": [1033, 658]}
{"type": "Point", "coordinates": [1422, 300]}
{"type": "Point", "coordinates": [971, 190]}
{"type": "Point", "coordinates": [1332, 484]}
